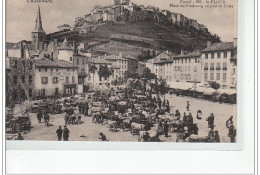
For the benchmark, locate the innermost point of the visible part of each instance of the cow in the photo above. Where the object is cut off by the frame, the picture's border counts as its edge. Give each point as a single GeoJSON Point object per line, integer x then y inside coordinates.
{"type": "Point", "coordinates": [136, 127]}
{"type": "Point", "coordinates": [126, 123]}
{"type": "Point", "coordinates": [112, 125]}
{"type": "Point", "coordinates": [148, 136]}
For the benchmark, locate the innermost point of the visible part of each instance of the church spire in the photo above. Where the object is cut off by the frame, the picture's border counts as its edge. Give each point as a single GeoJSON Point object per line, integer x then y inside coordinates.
{"type": "Point", "coordinates": [38, 22]}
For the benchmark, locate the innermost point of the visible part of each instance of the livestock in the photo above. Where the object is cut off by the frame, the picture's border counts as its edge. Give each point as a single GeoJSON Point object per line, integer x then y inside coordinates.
{"type": "Point", "coordinates": [146, 136]}
{"type": "Point", "coordinates": [112, 125]}
{"type": "Point", "coordinates": [136, 127]}
{"type": "Point", "coordinates": [126, 123]}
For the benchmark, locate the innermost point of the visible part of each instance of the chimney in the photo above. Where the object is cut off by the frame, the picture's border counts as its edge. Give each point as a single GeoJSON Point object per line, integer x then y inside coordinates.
{"type": "Point", "coordinates": [166, 51]}
{"type": "Point", "coordinates": [21, 49]}
{"type": "Point", "coordinates": [120, 54]}
{"type": "Point", "coordinates": [235, 42]}
{"type": "Point", "coordinates": [182, 52]}
{"type": "Point", "coordinates": [45, 46]}
{"type": "Point", "coordinates": [75, 48]}
{"type": "Point", "coordinates": [55, 42]}
{"type": "Point", "coordinates": [209, 43]}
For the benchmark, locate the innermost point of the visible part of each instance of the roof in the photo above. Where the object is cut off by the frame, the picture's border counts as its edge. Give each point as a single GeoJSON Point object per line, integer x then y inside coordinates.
{"type": "Point", "coordinates": [130, 57]}
{"type": "Point", "coordinates": [115, 67]}
{"type": "Point", "coordinates": [65, 45]}
{"type": "Point", "coordinates": [99, 61]}
{"type": "Point", "coordinates": [10, 46]}
{"type": "Point", "coordinates": [192, 54]}
{"type": "Point", "coordinates": [54, 63]}
{"type": "Point", "coordinates": [114, 57]}
{"type": "Point", "coordinates": [219, 47]}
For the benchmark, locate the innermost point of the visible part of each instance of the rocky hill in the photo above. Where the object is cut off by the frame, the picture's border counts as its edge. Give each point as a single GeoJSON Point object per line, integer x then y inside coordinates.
{"type": "Point", "coordinates": [135, 37]}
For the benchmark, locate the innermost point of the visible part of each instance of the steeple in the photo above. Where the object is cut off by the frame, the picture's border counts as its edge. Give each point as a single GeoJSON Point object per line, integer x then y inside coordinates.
{"type": "Point", "coordinates": [38, 22]}
{"type": "Point", "coordinates": [38, 34]}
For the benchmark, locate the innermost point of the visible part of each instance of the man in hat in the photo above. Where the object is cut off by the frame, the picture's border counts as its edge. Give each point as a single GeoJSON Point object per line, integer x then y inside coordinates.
{"type": "Point", "coordinates": [46, 118]}
{"type": "Point", "coordinates": [59, 133]}
{"type": "Point", "coordinates": [166, 129]}
{"type": "Point", "coordinates": [66, 133]}
{"type": "Point", "coordinates": [39, 116]}
{"type": "Point", "coordinates": [232, 133]}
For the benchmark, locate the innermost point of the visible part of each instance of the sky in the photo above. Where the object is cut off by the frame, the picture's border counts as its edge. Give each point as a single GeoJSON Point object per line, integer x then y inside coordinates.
{"type": "Point", "coordinates": [21, 15]}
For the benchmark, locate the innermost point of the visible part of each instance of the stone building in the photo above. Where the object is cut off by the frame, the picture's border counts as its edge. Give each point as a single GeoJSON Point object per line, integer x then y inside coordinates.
{"type": "Point", "coordinates": [54, 78]}
{"type": "Point", "coordinates": [219, 64]}
{"type": "Point", "coordinates": [19, 79]}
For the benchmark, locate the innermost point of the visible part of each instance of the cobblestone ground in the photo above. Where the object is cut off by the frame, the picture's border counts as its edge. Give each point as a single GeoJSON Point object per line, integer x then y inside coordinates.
{"type": "Point", "coordinates": [89, 131]}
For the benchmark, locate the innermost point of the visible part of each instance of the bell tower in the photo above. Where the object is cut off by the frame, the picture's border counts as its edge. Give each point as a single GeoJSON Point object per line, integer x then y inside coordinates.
{"type": "Point", "coordinates": [38, 34]}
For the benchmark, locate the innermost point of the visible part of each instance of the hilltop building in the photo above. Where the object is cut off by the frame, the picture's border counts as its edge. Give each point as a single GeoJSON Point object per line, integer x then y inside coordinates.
{"type": "Point", "coordinates": [118, 2]}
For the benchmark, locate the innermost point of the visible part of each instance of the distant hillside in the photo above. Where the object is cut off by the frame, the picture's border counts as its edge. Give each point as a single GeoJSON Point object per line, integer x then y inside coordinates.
{"type": "Point", "coordinates": [132, 38]}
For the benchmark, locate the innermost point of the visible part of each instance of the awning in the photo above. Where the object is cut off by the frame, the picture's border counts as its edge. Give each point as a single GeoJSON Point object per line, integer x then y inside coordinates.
{"type": "Point", "coordinates": [209, 91]}
{"type": "Point", "coordinates": [227, 91]}
{"type": "Point", "coordinates": [200, 89]}
{"type": "Point", "coordinates": [181, 85]}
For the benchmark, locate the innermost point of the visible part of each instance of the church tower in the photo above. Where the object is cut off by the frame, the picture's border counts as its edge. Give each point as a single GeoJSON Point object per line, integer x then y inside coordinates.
{"type": "Point", "coordinates": [38, 34]}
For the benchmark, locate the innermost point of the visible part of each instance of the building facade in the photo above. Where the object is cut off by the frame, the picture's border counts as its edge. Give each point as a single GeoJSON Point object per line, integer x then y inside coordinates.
{"type": "Point", "coordinates": [185, 68]}
{"type": "Point", "coordinates": [217, 65]}
{"type": "Point", "coordinates": [19, 79]}
{"type": "Point", "coordinates": [54, 78]}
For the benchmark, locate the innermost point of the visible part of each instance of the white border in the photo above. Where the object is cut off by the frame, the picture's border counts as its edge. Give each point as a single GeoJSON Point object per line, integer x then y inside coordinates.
{"type": "Point", "coordinates": [188, 162]}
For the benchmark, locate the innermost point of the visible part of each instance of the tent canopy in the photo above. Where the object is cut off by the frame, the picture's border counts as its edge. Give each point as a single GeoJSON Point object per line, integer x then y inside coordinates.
{"type": "Point", "coordinates": [227, 91]}
{"type": "Point", "coordinates": [209, 91]}
{"type": "Point", "coordinates": [181, 85]}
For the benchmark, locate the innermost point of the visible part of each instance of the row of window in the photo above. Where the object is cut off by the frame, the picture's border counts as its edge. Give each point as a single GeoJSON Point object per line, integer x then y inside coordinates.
{"type": "Point", "coordinates": [218, 66]}
{"type": "Point", "coordinates": [212, 55]}
{"type": "Point", "coordinates": [180, 68]}
{"type": "Point", "coordinates": [23, 65]}
{"type": "Point", "coordinates": [177, 77]}
{"type": "Point", "coordinates": [15, 79]}
{"type": "Point", "coordinates": [52, 70]}
{"type": "Point", "coordinates": [217, 76]}
{"type": "Point", "coordinates": [186, 60]}
{"type": "Point", "coordinates": [55, 80]}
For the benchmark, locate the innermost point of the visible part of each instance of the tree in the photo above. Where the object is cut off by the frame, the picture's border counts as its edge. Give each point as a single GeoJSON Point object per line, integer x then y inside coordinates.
{"type": "Point", "coordinates": [104, 71]}
{"type": "Point", "coordinates": [215, 85]}
{"type": "Point", "coordinates": [163, 87]}
{"type": "Point", "coordinates": [148, 74]}
{"type": "Point", "coordinates": [92, 69]}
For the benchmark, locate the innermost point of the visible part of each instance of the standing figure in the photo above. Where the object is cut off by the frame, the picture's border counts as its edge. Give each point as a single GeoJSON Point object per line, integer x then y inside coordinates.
{"type": "Point", "coordinates": [59, 133]}
{"type": "Point", "coordinates": [188, 106]}
{"type": "Point", "coordinates": [232, 133]}
{"type": "Point", "coordinates": [166, 129]}
{"type": "Point", "coordinates": [39, 117]}
{"type": "Point", "coordinates": [66, 133]}
{"type": "Point", "coordinates": [199, 114]}
{"type": "Point", "coordinates": [46, 119]}
{"type": "Point", "coordinates": [210, 120]}
{"type": "Point", "coordinates": [86, 109]}
{"type": "Point", "coordinates": [66, 118]}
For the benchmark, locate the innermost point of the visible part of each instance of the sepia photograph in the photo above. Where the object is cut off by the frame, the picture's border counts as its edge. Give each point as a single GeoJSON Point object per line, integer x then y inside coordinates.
{"type": "Point", "coordinates": [121, 71]}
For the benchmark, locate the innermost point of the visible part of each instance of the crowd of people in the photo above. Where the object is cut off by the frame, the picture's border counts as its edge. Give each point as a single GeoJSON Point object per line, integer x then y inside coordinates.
{"type": "Point", "coordinates": [151, 112]}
